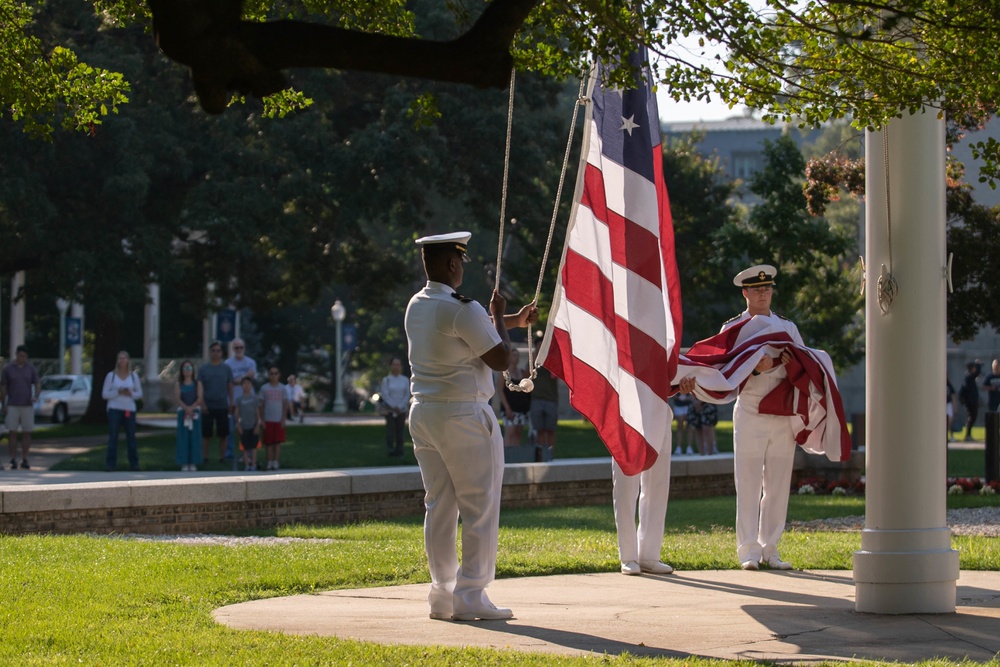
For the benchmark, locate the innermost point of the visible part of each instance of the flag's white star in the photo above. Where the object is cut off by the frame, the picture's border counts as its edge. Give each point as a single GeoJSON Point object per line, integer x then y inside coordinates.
{"type": "Point", "coordinates": [629, 124]}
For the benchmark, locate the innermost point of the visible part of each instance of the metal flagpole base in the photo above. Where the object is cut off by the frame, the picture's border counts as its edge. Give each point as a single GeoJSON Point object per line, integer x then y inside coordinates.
{"type": "Point", "coordinates": [905, 572]}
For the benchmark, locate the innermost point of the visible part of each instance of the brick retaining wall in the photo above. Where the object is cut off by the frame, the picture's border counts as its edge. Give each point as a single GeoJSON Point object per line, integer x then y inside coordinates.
{"type": "Point", "coordinates": [227, 504]}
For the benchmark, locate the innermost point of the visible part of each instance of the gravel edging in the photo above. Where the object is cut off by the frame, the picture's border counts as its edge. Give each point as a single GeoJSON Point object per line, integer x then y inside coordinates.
{"type": "Point", "coordinates": [975, 521]}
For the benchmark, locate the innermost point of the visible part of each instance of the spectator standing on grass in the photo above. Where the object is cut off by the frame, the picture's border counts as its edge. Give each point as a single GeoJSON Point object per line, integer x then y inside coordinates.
{"type": "Point", "coordinates": [189, 396]}
{"type": "Point", "coordinates": [949, 408]}
{"type": "Point", "coordinates": [297, 399]}
{"type": "Point", "coordinates": [17, 382]}
{"type": "Point", "coordinates": [247, 419]}
{"type": "Point", "coordinates": [394, 395]}
{"type": "Point", "coordinates": [969, 396]}
{"type": "Point", "coordinates": [545, 408]}
{"type": "Point", "coordinates": [121, 389]}
{"type": "Point", "coordinates": [515, 406]}
{"type": "Point", "coordinates": [216, 379]}
{"type": "Point", "coordinates": [991, 383]}
{"type": "Point", "coordinates": [273, 410]}
{"type": "Point", "coordinates": [242, 366]}
{"type": "Point", "coordinates": [681, 405]}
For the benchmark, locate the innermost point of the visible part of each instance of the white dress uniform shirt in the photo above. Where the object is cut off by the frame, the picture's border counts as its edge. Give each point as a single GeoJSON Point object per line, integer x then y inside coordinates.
{"type": "Point", "coordinates": [457, 442]}
{"type": "Point", "coordinates": [764, 452]}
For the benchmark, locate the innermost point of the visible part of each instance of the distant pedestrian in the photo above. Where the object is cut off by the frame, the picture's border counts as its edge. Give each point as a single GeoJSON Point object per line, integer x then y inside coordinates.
{"type": "Point", "coordinates": [681, 404]}
{"type": "Point", "coordinates": [969, 396]}
{"type": "Point", "coordinates": [273, 407]}
{"type": "Point", "coordinates": [17, 382]}
{"type": "Point", "coordinates": [247, 421]}
{"type": "Point", "coordinates": [545, 409]}
{"type": "Point", "coordinates": [949, 408]}
{"type": "Point", "coordinates": [991, 383]}
{"type": "Point", "coordinates": [216, 379]}
{"type": "Point", "coordinates": [515, 405]}
{"type": "Point", "coordinates": [242, 366]}
{"type": "Point", "coordinates": [121, 389]}
{"type": "Point", "coordinates": [189, 396]}
{"type": "Point", "coordinates": [394, 396]}
{"type": "Point", "coordinates": [297, 397]}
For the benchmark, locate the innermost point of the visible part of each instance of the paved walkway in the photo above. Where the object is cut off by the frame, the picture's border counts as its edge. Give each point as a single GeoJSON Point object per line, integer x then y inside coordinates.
{"type": "Point", "coordinates": [799, 617]}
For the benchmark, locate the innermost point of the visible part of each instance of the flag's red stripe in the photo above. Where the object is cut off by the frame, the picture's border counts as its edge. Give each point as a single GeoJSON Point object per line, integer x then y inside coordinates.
{"type": "Point", "coordinates": [588, 288]}
{"type": "Point", "coordinates": [667, 250]}
{"type": "Point", "coordinates": [599, 401]}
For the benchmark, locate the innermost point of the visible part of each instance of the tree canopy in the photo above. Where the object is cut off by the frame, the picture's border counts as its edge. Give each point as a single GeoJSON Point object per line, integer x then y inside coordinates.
{"type": "Point", "coordinates": [811, 60]}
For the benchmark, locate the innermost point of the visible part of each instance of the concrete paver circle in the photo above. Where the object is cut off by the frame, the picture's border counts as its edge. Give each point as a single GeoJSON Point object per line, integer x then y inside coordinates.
{"type": "Point", "coordinates": [798, 616]}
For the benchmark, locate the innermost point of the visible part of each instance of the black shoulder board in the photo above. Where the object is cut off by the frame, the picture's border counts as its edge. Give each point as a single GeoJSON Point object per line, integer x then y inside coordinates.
{"type": "Point", "coordinates": [463, 299]}
{"type": "Point", "coordinates": [732, 319]}
{"type": "Point", "coordinates": [780, 316]}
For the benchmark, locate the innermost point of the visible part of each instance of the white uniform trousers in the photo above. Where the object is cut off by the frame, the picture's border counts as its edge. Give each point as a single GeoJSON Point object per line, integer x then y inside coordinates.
{"type": "Point", "coordinates": [460, 452]}
{"type": "Point", "coordinates": [764, 451]}
{"type": "Point", "coordinates": [651, 488]}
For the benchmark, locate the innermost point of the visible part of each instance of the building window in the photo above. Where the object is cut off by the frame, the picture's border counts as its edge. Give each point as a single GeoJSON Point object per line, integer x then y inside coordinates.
{"type": "Point", "coordinates": [745, 165]}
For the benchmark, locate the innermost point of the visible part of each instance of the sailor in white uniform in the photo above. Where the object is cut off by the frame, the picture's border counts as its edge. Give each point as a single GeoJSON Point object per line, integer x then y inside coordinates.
{"type": "Point", "coordinates": [454, 346]}
{"type": "Point", "coordinates": [763, 445]}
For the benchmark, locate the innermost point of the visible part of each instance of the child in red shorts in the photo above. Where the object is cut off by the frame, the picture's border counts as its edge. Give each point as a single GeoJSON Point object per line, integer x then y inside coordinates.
{"type": "Point", "coordinates": [273, 410]}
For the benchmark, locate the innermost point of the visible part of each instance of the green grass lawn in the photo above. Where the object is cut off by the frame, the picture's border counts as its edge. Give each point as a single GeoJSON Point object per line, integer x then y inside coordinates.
{"type": "Point", "coordinates": [88, 600]}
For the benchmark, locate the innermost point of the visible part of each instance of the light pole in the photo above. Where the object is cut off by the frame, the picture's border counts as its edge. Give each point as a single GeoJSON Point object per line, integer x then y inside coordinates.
{"type": "Point", "coordinates": [63, 306]}
{"type": "Point", "coordinates": [338, 312]}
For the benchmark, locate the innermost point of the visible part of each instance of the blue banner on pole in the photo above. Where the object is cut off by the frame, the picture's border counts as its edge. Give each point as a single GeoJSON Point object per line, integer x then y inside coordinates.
{"type": "Point", "coordinates": [349, 336]}
{"type": "Point", "coordinates": [74, 331]}
{"type": "Point", "coordinates": [225, 325]}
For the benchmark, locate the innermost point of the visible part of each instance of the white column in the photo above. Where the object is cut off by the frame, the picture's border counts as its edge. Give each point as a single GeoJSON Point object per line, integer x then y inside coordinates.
{"type": "Point", "coordinates": [76, 351]}
{"type": "Point", "coordinates": [16, 312]}
{"type": "Point", "coordinates": [206, 336]}
{"type": "Point", "coordinates": [62, 305]}
{"type": "Point", "coordinates": [151, 347]}
{"type": "Point", "coordinates": [906, 564]}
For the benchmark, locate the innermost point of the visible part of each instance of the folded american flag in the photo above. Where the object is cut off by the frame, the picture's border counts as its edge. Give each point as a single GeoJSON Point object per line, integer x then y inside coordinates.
{"type": "Point", "coordinates": [809, 396]}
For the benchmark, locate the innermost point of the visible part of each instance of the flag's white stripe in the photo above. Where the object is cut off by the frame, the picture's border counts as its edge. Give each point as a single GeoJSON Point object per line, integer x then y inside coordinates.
{"type": "Point", "coordinates": [640, 302]}
{"type": "Point", "coordinates": [644, 411]}
{"type": "Point", "coordinates": [595, 346]}
{"type": "Point", "coordinates": [593, 343]}
{"type": "Point", "coordinates": [591, 238]}
{"type": "Point", "coordinates": [628, 194]}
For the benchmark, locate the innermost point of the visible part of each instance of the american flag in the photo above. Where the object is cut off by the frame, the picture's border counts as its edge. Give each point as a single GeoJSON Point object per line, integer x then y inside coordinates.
{"type": "Point", "coordinates": [810, 397]}
{"type": "Point", "coordinates": [616, 314]}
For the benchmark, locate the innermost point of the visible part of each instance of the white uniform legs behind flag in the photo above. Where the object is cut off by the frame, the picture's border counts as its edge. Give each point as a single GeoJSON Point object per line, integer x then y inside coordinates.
{"type": "Point", "coordinates": [764, 451]}
{"type": "Point", "coordinates": [639, 549]}
{"type": "Point", "coordinates": [460, 452]}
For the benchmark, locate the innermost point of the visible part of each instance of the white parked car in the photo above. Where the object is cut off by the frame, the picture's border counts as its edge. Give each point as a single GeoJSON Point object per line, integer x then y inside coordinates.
{"type": "Point", "coordinates": [62, 397]}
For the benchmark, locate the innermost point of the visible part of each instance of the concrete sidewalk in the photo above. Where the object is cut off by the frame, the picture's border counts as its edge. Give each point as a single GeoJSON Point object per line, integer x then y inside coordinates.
{"type": "Point", "coordinates": [800, 617]}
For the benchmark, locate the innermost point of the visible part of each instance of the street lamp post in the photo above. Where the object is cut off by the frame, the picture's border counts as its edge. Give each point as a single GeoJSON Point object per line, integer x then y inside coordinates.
{"type": "Point", "coordinates": [338, 312]}
{"type": "Point", "coordinates": [63, 306]}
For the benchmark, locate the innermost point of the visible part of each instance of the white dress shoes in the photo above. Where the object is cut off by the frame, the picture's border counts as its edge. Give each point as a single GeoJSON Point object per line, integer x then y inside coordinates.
{"type": "Point", "coordinates": [631, 567]}
{"type": "Point", "coordinates": [440, 616]}
{"type": "Point", "coordinates": [750, 565]}
{"type": "Point", "coordinates": [655, 567]}
{"type": "Point", "coordinates": [490, 613]}
{"type": "Point", "coordinates": [775, 563]}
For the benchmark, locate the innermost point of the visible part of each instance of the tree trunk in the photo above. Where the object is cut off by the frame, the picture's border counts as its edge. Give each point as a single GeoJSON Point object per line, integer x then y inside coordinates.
{"type": "Point", "coordinates": [107, 342]}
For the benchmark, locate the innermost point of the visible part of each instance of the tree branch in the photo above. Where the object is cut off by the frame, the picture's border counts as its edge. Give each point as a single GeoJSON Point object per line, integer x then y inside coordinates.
{"type": "Point", "coordinates": [227, 54]}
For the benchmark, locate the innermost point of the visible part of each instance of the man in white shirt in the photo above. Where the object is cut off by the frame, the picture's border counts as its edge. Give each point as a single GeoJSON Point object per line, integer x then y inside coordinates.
{"type": "Point", "coordinates": [763, 445]}
{"type": "Point", "coordinates": [453, 346]}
